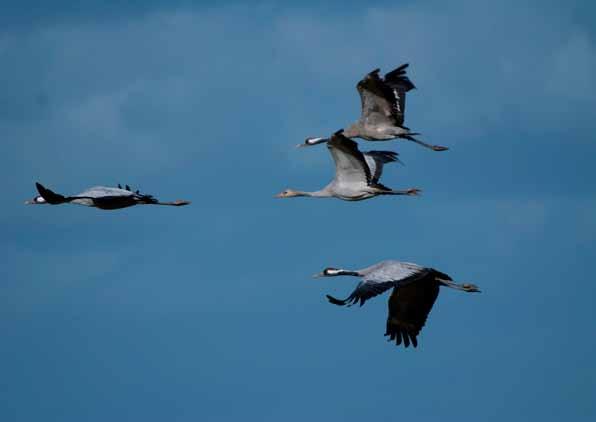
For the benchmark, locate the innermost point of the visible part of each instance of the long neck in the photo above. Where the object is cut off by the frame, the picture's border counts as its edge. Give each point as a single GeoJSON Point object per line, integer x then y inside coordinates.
{"type": "Point", "coordinates": [80, 200]}
{"type": "Point", "coordinates": [323, 193]}
{"type": "Point", "coordinates": [348, 272]}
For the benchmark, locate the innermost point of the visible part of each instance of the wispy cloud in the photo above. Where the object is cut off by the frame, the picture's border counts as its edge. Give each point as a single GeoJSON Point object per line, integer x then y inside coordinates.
{"type": "Point", "coordinates": [143, 84]}
{"type": "Point", "coordinates": [474, 74]}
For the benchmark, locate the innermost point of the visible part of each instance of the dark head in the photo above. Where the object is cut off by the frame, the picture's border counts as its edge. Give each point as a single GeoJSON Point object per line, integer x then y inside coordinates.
{"type": "Point", "coordinates": [329, 272]}
{"type": "Point", "coordinates": [38, 200]}
{"type": "Point", "coordinates": [312, 141]}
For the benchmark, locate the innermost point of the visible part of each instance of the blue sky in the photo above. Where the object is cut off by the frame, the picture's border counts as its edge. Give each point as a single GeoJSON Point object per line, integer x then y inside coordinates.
{"type": "Point", "coordinates": [208, 312]}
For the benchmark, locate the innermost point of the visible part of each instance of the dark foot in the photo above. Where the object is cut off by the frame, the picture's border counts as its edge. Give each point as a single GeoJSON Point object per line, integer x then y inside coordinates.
{"type": "Point", "coordinates": [439, 148]}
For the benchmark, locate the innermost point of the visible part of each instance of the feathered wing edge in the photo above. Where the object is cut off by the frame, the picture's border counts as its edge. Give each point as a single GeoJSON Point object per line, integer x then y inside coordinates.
{"type": "Point", "coordinates": [409, 306]}
{"type": "Point", "coordinates": [50, 196]}
{"type": "Point", "coordinates": [397, 77]}
{"type": "Point", "coordinates": [347, 146]}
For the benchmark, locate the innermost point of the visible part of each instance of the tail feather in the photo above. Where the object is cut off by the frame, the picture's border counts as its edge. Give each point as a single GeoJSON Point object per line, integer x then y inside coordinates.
{"type": "Point", "coordinates": [147, 199]}
{"type": "Point", "coordinates": [381, 187]}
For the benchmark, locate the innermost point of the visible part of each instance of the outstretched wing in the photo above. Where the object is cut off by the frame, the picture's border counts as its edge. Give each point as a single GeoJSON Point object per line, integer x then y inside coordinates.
{"type": "Point", "coordinates": [111, 192]}
{"type": "Point", "coordinates": [105, 191]}
{"type": "Point", "coordinates": [409, 306]}
{"type": "Point", "coordinates": [110, 198]}
{"type": "Point", "coordinates": [383, 101]}
{"type": "Point", "coordinates": [363, 292]}
{"type": "Point", "coordinates": [350, 164]}
{"type": "Point", "coordinates": [399, 84]}
{"type": "Point", "coordinates": [381, 277]}
{"type": "Point", "coordinates": [49, 196]}
{"type": "Point", "coordinates": [375, 161]}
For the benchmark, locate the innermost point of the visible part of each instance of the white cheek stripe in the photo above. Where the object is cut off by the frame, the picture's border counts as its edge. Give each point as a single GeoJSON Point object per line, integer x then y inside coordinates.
{"type": "Point", "coordinates": [313, 140]}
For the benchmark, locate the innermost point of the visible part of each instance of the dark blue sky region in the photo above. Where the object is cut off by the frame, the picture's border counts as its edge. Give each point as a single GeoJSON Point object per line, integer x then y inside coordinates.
{"type": "Point", "coordinates": [209, 312]}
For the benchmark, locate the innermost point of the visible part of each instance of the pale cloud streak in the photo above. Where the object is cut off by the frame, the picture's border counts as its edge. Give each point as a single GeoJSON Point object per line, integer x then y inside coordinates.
{"type": "Point", "coordinates": [161, 90]}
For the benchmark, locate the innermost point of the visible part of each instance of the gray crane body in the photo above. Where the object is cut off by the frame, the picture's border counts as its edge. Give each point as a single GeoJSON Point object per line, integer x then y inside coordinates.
{"type": "Point", "coordinates": [415, 289]}
{"type": "Point", "coordinates": [382, 112]}
{"type": "Point", "coordinates": [102, 197]}
{"type": "Point", "coordinates": [357, 174]}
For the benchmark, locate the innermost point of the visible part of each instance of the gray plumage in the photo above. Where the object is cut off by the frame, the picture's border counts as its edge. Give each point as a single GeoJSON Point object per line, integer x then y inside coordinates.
{"type": "Point", "coordinates": [383, 106]}
{"type": "Point", "coordinates": [106, 198]}
{"type": "Point", "coordinates": [375, 161]}
{"type": "Point", "coordinates": [415, 289]}
{"type": "Point", "coordinates": [357, 174]}
{"type": "Point", "coordinates": [380, 277]}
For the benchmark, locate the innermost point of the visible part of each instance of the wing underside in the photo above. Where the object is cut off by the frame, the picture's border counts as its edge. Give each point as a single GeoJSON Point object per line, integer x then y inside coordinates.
{"type": "Point", "coordinates": [409, 306]}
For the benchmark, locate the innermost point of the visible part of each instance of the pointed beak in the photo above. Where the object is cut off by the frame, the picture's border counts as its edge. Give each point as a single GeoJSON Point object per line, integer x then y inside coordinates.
{"type": "Point", "coordinates": [318, 275]}
{"type": "Point", "coordinates": [302, 145]}
{"type": "Point", "coordinates": [28, 202]}
{"type": "Point", "coordinates": [279, 195]}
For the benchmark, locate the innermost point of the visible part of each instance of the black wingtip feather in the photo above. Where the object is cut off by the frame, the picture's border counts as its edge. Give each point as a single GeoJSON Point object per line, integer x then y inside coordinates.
{"type": "Point", "coordinates": [335, 301]}
{"type": "Point", "coordinates": [414, 340]}
{"type": "Point", "coordinates": [406, 338]}
{"type": "Point", "coordinates": [49, 196]}
{"type": "Point", "coordinates": [398, 71]}
{"type": "Point", "coordinates": [389, 156]}
{"type": "Point", "coordinates": [398, 76]}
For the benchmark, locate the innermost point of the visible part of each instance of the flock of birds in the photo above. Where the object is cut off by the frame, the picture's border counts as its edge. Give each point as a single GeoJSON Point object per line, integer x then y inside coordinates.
{"type": "Point", "coordinates": [357, 177]}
